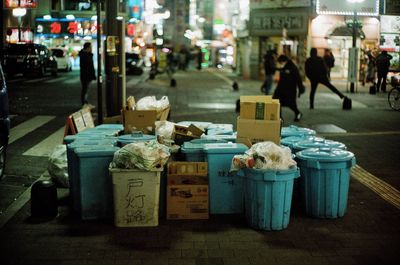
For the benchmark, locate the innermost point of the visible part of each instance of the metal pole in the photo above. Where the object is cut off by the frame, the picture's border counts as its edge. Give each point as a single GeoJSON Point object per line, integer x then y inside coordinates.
{"type": "Point", "coordinates": [99, 72]}
{"type": "Point", "coordinates": [354, 43]}
{"type": "Point", "coordinates": [111, 61]}
{"type": "Point", "coordinates": [19, 28]}
{"type": "Point", "coordinates": [121, 62]}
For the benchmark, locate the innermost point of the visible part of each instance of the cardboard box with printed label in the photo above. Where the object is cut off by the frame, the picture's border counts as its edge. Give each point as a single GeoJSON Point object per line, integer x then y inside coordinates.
{"type": "Point", "coordinates": [187, 190]}
{"type": "Point", "coordinates": [259, 108]}
{"type": "Point", "coordinates": [250, 131]}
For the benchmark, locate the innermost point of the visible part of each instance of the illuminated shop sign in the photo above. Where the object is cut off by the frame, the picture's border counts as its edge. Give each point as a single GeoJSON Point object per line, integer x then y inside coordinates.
{"type": "Point", "coordinates": [347, 7]}
{"type": "Point", "coordinates": [77, 27]}
{"type": "Point", "coordinates": [21, 3]}
{"type": "Point", "coordinates": [13, 35]}
{"type": "Point", "coordinates": [81, 27]}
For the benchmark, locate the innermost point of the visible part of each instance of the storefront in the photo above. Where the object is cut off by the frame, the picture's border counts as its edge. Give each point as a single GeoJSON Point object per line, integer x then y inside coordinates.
{"type": "Point", "coordinates": [390, 39]}
{"type": "Point", "coordinates": [332, 29]}
{"type": "Point", "coordinates": [284, 30]}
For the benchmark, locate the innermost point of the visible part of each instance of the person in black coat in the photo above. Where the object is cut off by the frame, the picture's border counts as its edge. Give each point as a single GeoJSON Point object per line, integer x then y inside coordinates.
{"type": "Point", "coordinates": [316, 71]}
{"type": "Point", "coordinates": [289, 82]}
{"type": "Point", "coordinates": [382, 67]}
{"type": "Point", "coordinates": [86, 70]}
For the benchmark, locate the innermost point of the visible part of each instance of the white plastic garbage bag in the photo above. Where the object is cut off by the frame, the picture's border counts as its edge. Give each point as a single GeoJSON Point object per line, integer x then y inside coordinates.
{"type": "Point", "coordinates": [165, 129]}
{"type": "Point", "coordinates": [149, 155]}
{"type": "Point", "coordinates": [151, 103]}
{"type": "Point", "coordinates": [265, 155]}
{"type": "Point", "coordinates": [57, 165]}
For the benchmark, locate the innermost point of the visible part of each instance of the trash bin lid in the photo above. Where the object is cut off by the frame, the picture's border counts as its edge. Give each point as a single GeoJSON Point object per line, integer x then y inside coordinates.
{"type": "Point", "coordinates": [225, 137]}
{"type": "Point", "coordinates": [325, 154]}
{"type": "Point", "coordinates": [98, 151]}
{"type": "Point", "coordinates": [209, 140]}
{"type": "Point", "coordinates": [225, 148]}
{"type": "Point", "coordinates": [92, 142]}
{"type": "Point", "coordinates": [135, 137]}
{"type": "Point", "coordinates": [291, 140]}
{"type": "Point", "coordinates": [217, 129]}
{"type": "Point", "coordinates": [293, 130]}
{"type": "Point", "coordinates": [317, 142]}
{"type": "Point", "coordinates": [110, 127]}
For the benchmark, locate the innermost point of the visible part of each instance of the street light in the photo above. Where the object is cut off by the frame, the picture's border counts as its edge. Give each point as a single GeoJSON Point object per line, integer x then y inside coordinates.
{"type": "Point", "coordinates": [354, 33]}
{"type": "Point", "coordinates": [19, 13]}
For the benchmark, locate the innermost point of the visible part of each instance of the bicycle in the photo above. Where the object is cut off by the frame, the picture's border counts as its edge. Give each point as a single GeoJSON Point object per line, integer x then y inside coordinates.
{"type": "Point", "coordinates": [394, 93]}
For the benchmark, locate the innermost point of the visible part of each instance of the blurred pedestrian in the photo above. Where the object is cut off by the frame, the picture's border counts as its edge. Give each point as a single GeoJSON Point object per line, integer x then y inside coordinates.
{"type": "Point", "coordinates": [316, 71]}
{"type": "Point", "coordinates": [329, 60]}
{"type": "Point", "coordinates": [87, 73]}
{"type": "Point", "coordinates": [382, 67]}
{"type": "Point", "coordinates": [199, 58]}
{"type": "Point", "coordinates": [269, 70]}
{"type": "Point", "coordinates": [289, 82]}
{"type": "Point", "coordinates": [371, 68]}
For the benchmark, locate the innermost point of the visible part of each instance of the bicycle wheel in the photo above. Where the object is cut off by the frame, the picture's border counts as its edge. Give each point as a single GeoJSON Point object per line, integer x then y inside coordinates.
{"type": "Point", "coordinates": [394, 98]}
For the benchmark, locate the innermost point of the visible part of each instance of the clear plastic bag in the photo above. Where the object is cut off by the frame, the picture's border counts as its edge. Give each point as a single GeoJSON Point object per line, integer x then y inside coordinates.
{"type": "Point", "coordinates": [149, 155]}
{"type": "Point", "coordinates": [57, 165]}
{"type": "Point", "coordinates": [265, 155]}
{"type": "Point", "coordinates": [151, 103]}
{"type": "Point", "coordinates": [165, 129]}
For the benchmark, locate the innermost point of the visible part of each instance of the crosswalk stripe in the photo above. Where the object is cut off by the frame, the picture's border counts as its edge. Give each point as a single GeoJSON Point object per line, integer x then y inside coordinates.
{"type": "Point", "coordinates": [46, 147]}
{"type": "Point", "coordinates": [28, 126]}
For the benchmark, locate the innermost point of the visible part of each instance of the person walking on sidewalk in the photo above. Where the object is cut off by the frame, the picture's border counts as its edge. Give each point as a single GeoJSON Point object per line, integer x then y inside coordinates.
{"type": "Point", "coordinates": [269, 70]}
{"type": "Point", "coordinates": [316, 71]}
{"type": "Point", "coordinates": [382, 67]}
{"type": "Point", "coordinates": [86, 72]}
{"type": "Point", "coordinates": [289, 82]}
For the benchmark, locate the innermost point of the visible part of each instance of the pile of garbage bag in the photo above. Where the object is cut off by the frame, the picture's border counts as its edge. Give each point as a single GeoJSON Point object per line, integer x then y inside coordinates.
{"type": "Point", "coordinates": [149, 155]}
{"type": "Point", "coordinates": [265, 155]}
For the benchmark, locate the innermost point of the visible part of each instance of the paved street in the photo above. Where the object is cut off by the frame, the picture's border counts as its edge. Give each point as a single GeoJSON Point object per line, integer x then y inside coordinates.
{"type": "Point", "coordinates": [368, 234]}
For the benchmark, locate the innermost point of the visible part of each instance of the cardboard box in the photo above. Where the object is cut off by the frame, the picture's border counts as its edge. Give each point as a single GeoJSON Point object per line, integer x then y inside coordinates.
{"type": "Point", "coordinates": [142, 120]}
{"type": "Point", "coordinates": [187, 190]}
{"type": "Point", "coordinates": [113, 120]}
{"type": "Point", "coordinates": [183, 134]}
{"type": "Point", "coordinates": [259, 108]}
{"type": "Point", "coordinates": [250, 132]}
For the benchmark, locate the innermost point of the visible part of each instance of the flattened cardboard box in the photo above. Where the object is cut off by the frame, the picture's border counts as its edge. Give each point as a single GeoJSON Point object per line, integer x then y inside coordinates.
{"type": "Point", "coordinates": [187, 190]}
{"type": "Point", "coordinates": [250, 132]}
{"type": "Point", "coordinates": [259, 108]}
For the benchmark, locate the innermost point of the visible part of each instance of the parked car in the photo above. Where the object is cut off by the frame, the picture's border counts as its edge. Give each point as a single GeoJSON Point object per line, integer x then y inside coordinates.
{"type": "Point", "coordinates": [28, 59]}
{"type": "Point", "coordinates": [134, 63]}
{"type": "Point", "coordinates": [4, 122]}
{"type": "Point", "coordinates": [63, 60]}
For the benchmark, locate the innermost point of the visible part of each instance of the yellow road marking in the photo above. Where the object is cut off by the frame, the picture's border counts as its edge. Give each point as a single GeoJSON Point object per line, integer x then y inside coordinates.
{"type": "Point", "coordinates": [384, 190]}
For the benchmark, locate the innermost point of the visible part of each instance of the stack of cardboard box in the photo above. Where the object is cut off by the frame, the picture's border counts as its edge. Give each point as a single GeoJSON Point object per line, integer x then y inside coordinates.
{"type": "Point", "coordinates": [187, 190]}
{"type": "Point", "coordinates": [259, 120]}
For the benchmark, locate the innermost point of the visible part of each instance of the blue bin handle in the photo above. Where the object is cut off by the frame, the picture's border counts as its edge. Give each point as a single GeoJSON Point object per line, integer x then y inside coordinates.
{"type": "Point", "coordinates": [137, 134]}
{"type": "Point", "coordinates": [313, 164]}
{"type": "Point", "coordinates": [352, 162]}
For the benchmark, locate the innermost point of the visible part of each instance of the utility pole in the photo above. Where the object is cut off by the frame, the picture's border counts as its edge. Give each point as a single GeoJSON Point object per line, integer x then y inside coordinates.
{"type": "Point", "coordinates": [113, 71]}
{"type": "Point", "coordinates": [99, 70]}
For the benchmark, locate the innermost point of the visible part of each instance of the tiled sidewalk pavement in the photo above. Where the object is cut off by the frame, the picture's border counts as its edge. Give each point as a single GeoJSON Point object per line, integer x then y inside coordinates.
{"type": "Point", "coordinates": [367, 234]}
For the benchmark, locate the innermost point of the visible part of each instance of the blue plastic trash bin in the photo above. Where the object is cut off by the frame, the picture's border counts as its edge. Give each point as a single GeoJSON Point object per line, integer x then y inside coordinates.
{"type": "Point", "coordinates": [225, 188]}
{"type": "Point", "coordinates": [225, 137]}
{"type": "Point", "coordinates": [316, 142]}
{"type": "Point", "coordinates": [291, 140]}
{"type": "Point", "coordinates": [94, 183]}
{"type": "Point", "coordinates": [293, 130]}
{"type": "Point", "coordinates": [134, 138]}
{"type": "Point", "coordinates": [193, 150]}
{"type": "Point", "coordinates": [268, 197]}
{"type": "Point", "coordinates": [220, 129]}
{"type": "Point", "coordinates": [114, 129]}
{"type": "Point", "coordinates": [72, 163]}
{"type": "Point", "coordinates": [325, 180]}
